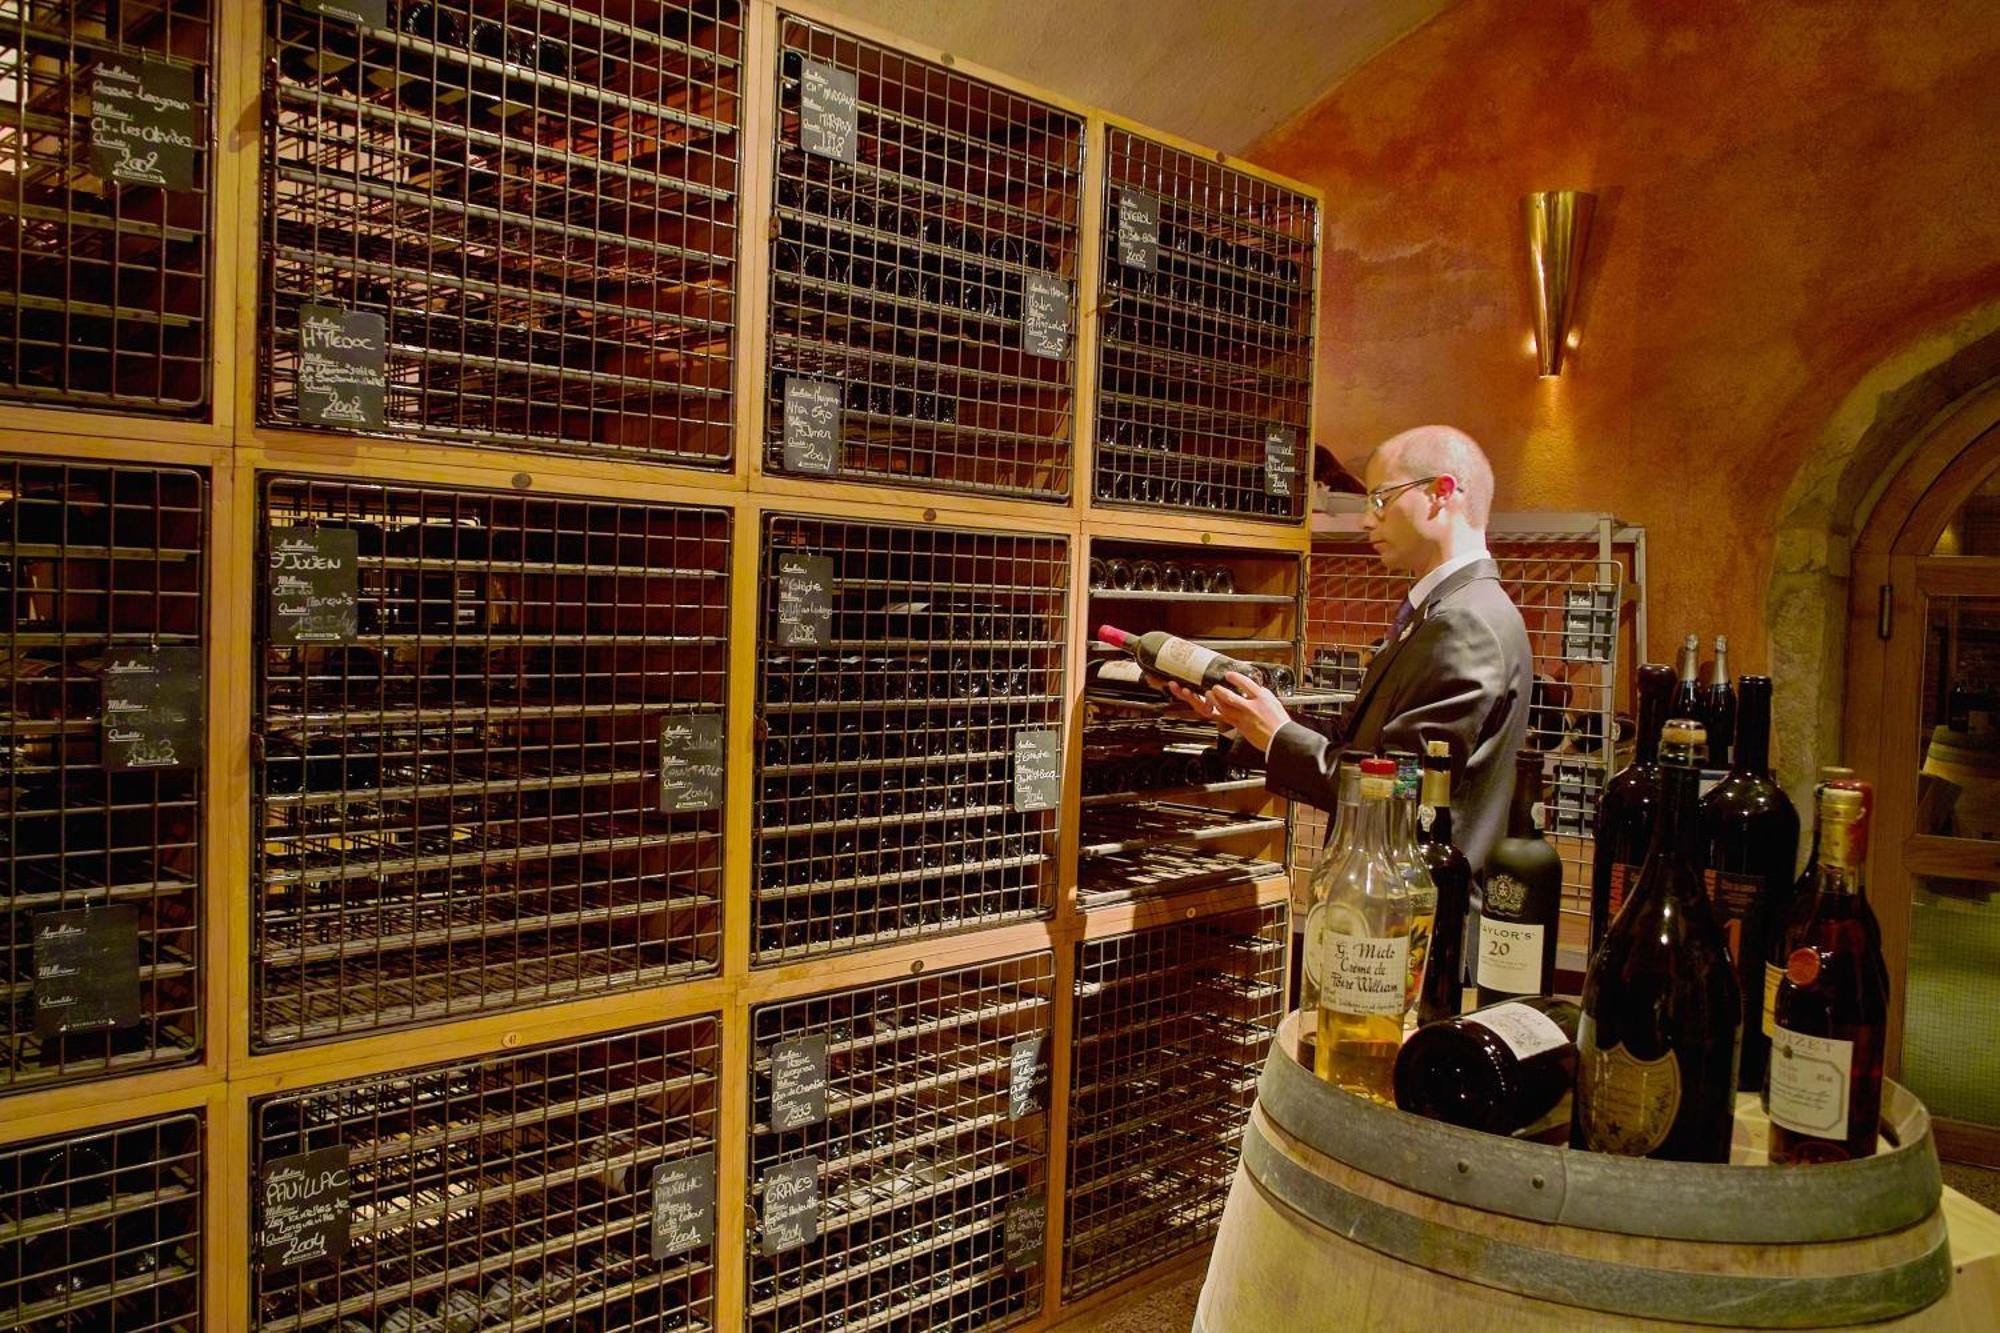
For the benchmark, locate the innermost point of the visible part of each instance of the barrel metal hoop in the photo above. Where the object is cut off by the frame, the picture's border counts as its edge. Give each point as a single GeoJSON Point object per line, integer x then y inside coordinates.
{"type": "Point", "coordinates": [1597, 1191]}
{"type": "Point", "coordinates": [1562, 1279]}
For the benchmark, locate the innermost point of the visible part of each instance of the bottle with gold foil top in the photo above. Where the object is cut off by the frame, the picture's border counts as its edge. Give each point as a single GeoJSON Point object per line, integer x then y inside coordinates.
{"type": "Point", "coordinates": [1362, 941]}
{"type": "Point", "coordinates": [1443, 984]}
{"type": "Point", "coordinates": [1404, 852]}
{"type": "Point", "coordinates": [1662, 1010]}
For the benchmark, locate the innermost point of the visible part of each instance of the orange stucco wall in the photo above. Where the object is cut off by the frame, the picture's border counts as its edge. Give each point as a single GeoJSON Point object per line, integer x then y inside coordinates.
{"type": "Point", "coordinates": [1788, 193]}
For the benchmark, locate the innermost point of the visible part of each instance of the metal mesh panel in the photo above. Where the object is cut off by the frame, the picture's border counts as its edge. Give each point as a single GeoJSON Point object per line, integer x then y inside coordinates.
{"type": "Point", "coordinates": [106, 292]}
{"type": "Point", "coordinates": [95, 560]}
{"type": "Point", "coordinates": [101, 1229]}
{"type": "Point", "coordinates": [1205, 358]}
{"type": "Point", "coordinates": [919, 1160]}
{"type": "Point", "coordinates": [1172, 1025]}
{"type": "Point", "coordinates": [900, 279]}
{"type": "Point", "coordinates": [505, 1192]}
{"type": "Point", "coordinates": [887, 803]}
{"type": "Point", "coordinates": [461, 810]}
{"type": "Point", "coordinates": [539, 200]}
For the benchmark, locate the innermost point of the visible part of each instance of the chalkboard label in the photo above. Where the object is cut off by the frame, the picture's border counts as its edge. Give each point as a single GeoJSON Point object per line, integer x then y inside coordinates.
{"type": "Point", "coordinates": [145, 128]}
{"type": "Point", "coordinates": [691, 763]}
{"type": "Point", "coordinates": [683, 1205]}
{"type": "Point", "coordinates": [1045, 325]}
{"type": "Point", "coordinates": [1027, 1077]}
{"type": "Point", "coordinates": [1025, 1226]}
{"type": "Point", "coordinates": [86, 970]}
{"type": "Point", "coordinates": [805, 600]}
{"type": "Point", "coordinates": [1281, 460]}
{"type": "Point", "coordinates": [1138, 230]}
{"type": "Point", "coordinates": [791, 1206]}
{"type": "Point", "coordinates": [1037, 770]}
{"type": "Point", "coordinates": [152, 709]}
{"type": "Point", "coordinates": [314, 585]}
{"type": "Point", "coordinates": [302, 1209]}
{"type": "Point", "coordinates": [374, 13]}
{"type": "Point", "coordinates": [343, 359]}
{"type": "Point", "coordinates": [812, 425]}
{"type": "Point", "coordinates": [1590, 622]}
{"type": "Point", "coordinates": [829, 118]}
{"type": "Point", "coordinates": [798, 1083]}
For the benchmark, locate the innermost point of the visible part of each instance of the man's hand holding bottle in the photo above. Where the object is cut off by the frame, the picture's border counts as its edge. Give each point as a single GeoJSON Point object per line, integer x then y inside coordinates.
{"type": "Point", "coordinates": [1239, 704]}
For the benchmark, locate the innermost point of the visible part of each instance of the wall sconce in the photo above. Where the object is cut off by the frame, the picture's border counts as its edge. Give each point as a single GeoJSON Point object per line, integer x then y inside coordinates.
{"type": "Point", "coordinates": [1558, 225]}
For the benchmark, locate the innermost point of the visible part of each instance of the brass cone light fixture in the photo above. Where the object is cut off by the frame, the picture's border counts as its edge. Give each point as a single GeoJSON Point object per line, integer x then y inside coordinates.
{"type": "Point", "coordinates": [1558, 226]}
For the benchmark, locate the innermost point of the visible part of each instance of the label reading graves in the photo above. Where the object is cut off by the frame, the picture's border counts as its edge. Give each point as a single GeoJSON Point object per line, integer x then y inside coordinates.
{"type": "Point", "coordinates": [1027, 1077]}
{"type": "Point", "coordinates": [152, 708]}
{"type": "Point", "coordinates": [812, 425]}
{"type": "Point", "coordinates": [683, 1205]}
{"type": "Point", "coordinates": [1025, 1224]}
{"type": "Point", "coordinates": [1037, 770]}
{"type": "Point", "coordinates": [691, 763]}
{"type": "Point", "coordinates": [86, 970]}
{"type": "Point", "coordinates": [374, 13]}
{"type": "Point", "coordinates": [798, 1083]}
{"type": "Point", "coordinates": [144, 125]}
{"type": "Point", "coordinates": [302, 1209]}
{"type": "Point", "coordinates": [829, 121]}
{"type": "Point", "coordinates": [343, 360]}
{"type": "Point", "coordinates": [1045, 325]}
{"type": "Point", "coordinates": [314, 585]}
{"type": "Point", "coordinates": [1281, 460]}
{"type": "Point", "coordinates": [805, 600]}
{"type": "Point", "coordinates": [1138, 230]}
{"type": "Point", "coordinates": [791, 1205]}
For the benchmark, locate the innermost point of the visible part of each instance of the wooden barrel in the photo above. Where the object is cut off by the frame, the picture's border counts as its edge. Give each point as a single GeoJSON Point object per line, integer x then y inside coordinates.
{"type": "Point", "coordinates": [1348, 1215]}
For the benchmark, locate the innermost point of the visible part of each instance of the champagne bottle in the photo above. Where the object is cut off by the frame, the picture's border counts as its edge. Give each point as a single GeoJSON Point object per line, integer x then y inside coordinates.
{"type": "Point", "coordinates": [1720, 705]}
{"type": "Point", "coordinates": [1497, 1069]}
{"type": "Point", "coordinates": [1688, 702]}
{"type": "Point", "coordinates": [1662, 1013]}
{"type": "Point", "coordinates": [1522, 902]}
{"type": "Point", "coordinates": [1442, 989]}
{"type": "Point", "coordinates": [1416, 875]}
{"type": "Point", "coordinates": [1176, 658]}
{"type": "Point", "coordinates": [1363, 939]}
{"type": "Point", "coordinates": [1629, 808]}
{"type": "Point", "coordinates": [1830, 1020]}
{"type": "Point", "coordinates": [1750, 842]}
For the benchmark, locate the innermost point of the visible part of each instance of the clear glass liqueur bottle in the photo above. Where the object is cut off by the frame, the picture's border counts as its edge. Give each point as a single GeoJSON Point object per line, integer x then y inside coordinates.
{"type": "Point", "coordinates": [1403, 851]}
{"type": "Point", "coordinates": [1363, 941]}
{"type": "Point", "coordinates": [1339, 841]}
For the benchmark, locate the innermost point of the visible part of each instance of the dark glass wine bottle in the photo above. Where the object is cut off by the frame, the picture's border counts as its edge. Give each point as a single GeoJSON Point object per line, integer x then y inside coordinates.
{"type": "Point", "coordinates": [1719, 703]}
{"type": "Point", "coordinates": [1627, 810]}
{"type": "Point", "coordinates": [1656, 1047]}
{"type": "Point", "coordinates": [1831, 1015]}
{"type": "Point", "coordinates": [1750, 842]}
{"type": "Point", "coordinates": [1522, 899]}
{"type": "Point", "coordinates": [1497, 1069]}
{"type": "Point", "coordinates": [1688, 701]}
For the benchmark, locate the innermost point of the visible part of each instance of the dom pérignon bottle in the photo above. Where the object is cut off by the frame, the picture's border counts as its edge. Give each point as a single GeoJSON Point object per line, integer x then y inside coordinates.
{"type": "Point", "coordinates": [1750, 841]}
{"type": "Point", "coordinates": [1362, 935]}
{"type": "Point", "coordinates": [1719, 709]}
{"type": "Point", "coordinates": [1627, 810]}
{"type": "Point", "coordinates": [1523, 898]}
{"type": "Point", "coordinates": [1832, 1012]}
{"type": "Point", "coordinates": [1443, 986]}
{"type": "Point", "coordinates": [1656, 1047]}
{"type": "Point", "coordinates": [1176, 658]}
{"type": "Point", "coordinates": [1497, 1069]}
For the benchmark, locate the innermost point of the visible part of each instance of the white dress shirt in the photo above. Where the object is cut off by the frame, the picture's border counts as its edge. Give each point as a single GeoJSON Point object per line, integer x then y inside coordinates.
{"type": "Point", "coordinates": [1421, 590]}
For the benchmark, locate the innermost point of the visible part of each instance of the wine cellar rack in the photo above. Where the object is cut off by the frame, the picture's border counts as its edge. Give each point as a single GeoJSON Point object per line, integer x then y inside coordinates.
{"type": "Point", "coordinates": [930, 1157]}
{"type": "Point", "coordinates": [1171, 1028]}
{"type": "Point", "coordinates": [460, 808]}
{"type": "Point", "coordinates": [508, 1191]}
{"type": "Point", "coordinates": [902, 279]}
{"type": "Point", "coordinates": [1205, 349]}
{"type": "Point", "coordinates": [109, 277]}
{"type": "Point", "coordinates": [100, 566]}
{"type": "Point", "coordinates": [538, 201]}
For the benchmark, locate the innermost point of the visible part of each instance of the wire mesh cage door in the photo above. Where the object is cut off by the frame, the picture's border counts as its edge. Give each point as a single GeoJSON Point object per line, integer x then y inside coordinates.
{"type": "Point", "coordinates": [505, 224]}
{"type": "Point", "coordinates": [103, 572]}
{"type": "Point", "coordinates": [106, 132]}
{"type": "Point", "coordinates": [898, 1173]}
{"type": "Point", "coordinates": [1205, 351]}
{"type": "Point", "coordinates": [492, 775]}
{"type": "Point", "coordinates": [923, 273]}
{"type": "Point", "coordinates": [513, 1190]}
{"type": "Point", "coordinates": [1172, 1026]}
{"type": "Point", "coordinates": [910, 686]}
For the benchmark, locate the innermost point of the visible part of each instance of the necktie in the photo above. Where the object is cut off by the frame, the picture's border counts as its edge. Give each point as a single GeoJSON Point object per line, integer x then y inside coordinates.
{"type": "Point", "coordinates": [1405, 613]}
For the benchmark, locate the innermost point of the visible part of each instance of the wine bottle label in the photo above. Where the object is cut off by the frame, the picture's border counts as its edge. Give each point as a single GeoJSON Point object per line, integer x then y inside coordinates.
{"type": "Point", "coordinates": [1810, 1079]}
{"type": "Point", "coordinates": [1773, 974]}
{"type": "Point", "coordinates": [1426, 816]}
{"type": "Point", "coordinates": [1526, 1030]}
{"type": "Point", "coordinates": [1121, 671]}
{"type": "Point", "coordinates": [1510, 955]}
{"type": "Point", "coordinates": [1623, 877]}
{"type": "Point", "coordinates": [1734, 897]}
{"type": "Point", "coordinates": [1626, 1105]}
{"type": "Point", "coordinates": [1364, 974]}
{"type": "Point", "coordinates": [1184, 660]}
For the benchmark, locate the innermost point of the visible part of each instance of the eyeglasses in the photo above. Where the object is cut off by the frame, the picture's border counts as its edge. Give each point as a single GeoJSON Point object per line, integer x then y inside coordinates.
{"type": "Point", "coordinates": [1378, 500]}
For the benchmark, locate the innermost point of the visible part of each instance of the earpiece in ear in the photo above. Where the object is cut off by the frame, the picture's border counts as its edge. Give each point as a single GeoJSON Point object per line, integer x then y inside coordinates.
{"type": "Point", "coordinates": [1446, 485]}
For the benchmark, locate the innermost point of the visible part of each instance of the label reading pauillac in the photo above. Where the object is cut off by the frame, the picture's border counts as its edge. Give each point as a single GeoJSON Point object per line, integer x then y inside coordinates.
{"type": "Point", "coordinates": [1037, 770]}
{"type": "Point", "coordinates": [691, 776]}
{"type": "Point", "coordinates": [683, 1205]}
{"type": "Point", "coordinates": [145, 124]}
{"type": "Point", "coordinates": [302, 1208]}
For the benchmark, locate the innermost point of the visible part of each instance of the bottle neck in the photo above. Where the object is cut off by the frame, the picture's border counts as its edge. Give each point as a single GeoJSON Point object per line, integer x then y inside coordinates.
{"type": "Point", "coordinates": [1843, 858]}
{"type": "Point", "coordinates": [1652, 716]}
{"type": "Point", "coordinates": [1439, 833]}
{"type": "Point", "coordinates": [1371, 826]}
{"type": "Point", "coordinates": [1753, 732]}
{"type": "Point", "coordinates": [1679, 824]}
{"type": "Point", "coordinates": [1527, 795]}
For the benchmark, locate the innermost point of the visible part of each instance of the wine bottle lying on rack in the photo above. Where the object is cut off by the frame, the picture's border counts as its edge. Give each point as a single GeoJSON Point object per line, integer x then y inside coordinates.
{"type": "Point", "coordinates": [1175, 658]}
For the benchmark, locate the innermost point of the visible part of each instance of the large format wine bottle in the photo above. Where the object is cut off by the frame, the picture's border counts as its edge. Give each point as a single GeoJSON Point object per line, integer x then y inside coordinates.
{"type": "Point", "coordinates": [1627, 810]}
{"type": "Point", "coordinates": [1719, 703]}
{"type": "Point", "coordinates": [1523, 898]}
{"type": "Point", "coordinates": [1750, 842]}
{"type": "Point", "coordinates": [1363, 941]}
{"type": "Point", "coordinates": [1832, 1011]}
{"type": "Point", "coordinates": [1656, 1047]}
{"type": "Point", "coordinates": [1416, 874]}
{"type": "Point", "coordinates": [1443, 987]}
{"type": "Point", "coordinates": [1497, 1069]}
{"type": "Point", "coordinates": [1176, 658]}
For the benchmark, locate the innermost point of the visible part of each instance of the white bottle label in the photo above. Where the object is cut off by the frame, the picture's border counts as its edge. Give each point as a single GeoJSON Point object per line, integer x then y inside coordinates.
{"type": "Point", "coordinates": [1364, 974]}
{"type": "Point", "coordinates": [1527, 1031]}
{"type": "Point", "coordinates": [1184, 660]}
{"type": "Point", "coordinates": [1510, 956]}
{"type": "Point", "coordinates": [1809, 1083]}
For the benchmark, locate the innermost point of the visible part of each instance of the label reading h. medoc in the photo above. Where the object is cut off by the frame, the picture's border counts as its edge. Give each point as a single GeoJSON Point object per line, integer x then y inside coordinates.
{"type": "Point", "coordinates": [1364, 974]}
{"type": "Point", "coordinates": [1626, 1105]}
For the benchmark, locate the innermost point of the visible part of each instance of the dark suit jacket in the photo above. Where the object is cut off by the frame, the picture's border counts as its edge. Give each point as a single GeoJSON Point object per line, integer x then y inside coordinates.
{"type": "Point", "coordinates": [1460, 673]}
